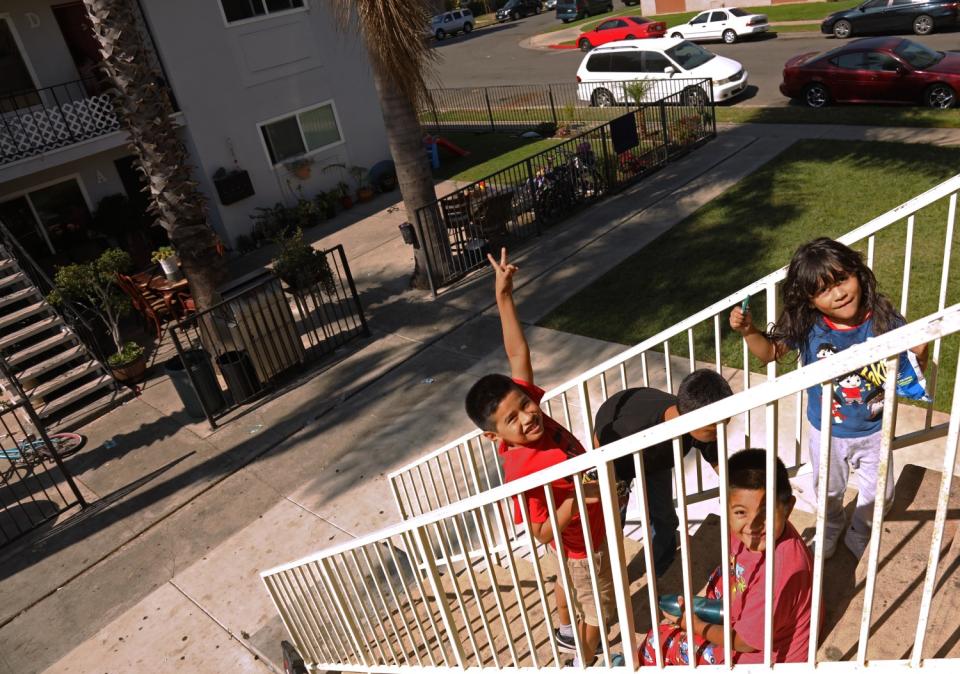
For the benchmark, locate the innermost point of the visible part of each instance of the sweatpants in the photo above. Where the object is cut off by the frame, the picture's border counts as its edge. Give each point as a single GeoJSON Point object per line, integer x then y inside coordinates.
{"type": "Point", "coordinates": [863, 456]}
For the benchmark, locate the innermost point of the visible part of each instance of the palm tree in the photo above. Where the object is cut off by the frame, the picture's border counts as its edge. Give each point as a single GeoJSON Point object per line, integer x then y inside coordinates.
{"type": "Point", "coordinates": [144, 105]}
{"type": "Point", "coordinates": [392, 31]}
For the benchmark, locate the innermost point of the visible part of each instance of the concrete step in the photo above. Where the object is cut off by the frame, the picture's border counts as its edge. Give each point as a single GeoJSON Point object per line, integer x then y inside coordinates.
{"type": "Point", "coordinates": [20, 295]}
{"type": "Point", "coordinates": [56, 360]}
{"type": "Point", "coordinates": [47, 410]}
{"type": "Point", "coordinates": [35, 350]}
{"type": "Point", "coordinates": [8, 264]}
{"type": "Point", "coordinates": [36, 309]}
{"type": "Point", "coordinates": [12, 279]}
{"type": "Point", "coordinates": [43, 391]}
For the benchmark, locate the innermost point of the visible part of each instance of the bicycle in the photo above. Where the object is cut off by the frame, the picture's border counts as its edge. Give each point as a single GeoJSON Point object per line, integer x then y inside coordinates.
{"type": "Point", "coordinates": [30, 452]}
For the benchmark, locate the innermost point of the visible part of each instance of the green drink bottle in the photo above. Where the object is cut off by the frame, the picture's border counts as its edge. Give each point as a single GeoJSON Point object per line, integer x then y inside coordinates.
{"type": "Point", "coordinates": [708, 610]}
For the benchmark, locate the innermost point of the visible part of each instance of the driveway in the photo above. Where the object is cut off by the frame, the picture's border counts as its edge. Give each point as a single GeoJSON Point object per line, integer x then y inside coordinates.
{"type": "Point", "coordinates": [501, 54]}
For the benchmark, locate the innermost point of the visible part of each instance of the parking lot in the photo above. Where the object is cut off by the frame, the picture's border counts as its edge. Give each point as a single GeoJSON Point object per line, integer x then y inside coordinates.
{"type": "Point", "coordinates": [495, 56]}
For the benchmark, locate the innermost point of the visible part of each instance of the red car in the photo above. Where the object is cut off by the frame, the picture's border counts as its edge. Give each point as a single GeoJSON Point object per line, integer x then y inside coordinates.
{"type": "Point", "coordinates": [621, 28]}
{"type": "Point", "coordinates": [875, 70]}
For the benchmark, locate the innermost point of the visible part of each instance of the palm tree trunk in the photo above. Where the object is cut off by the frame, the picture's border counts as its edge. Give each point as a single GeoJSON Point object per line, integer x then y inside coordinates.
{"type": "Point", "coordinates": [414, 177]}
{"type": "Point", "coordinates": [142, 102]}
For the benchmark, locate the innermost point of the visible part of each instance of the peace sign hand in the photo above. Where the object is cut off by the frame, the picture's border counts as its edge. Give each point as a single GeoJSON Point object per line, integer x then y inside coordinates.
{"type": "Point", "coordinates": [504, 271]}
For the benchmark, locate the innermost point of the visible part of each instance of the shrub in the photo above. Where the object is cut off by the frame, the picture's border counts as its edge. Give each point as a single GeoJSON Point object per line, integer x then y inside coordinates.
{"type": "Point", "coordinates": [300, 265]}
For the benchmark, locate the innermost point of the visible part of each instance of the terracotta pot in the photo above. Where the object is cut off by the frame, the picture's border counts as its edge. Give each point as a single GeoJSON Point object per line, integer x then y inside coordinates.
{"type": "Point", "coordinates": [131, 373]}
{"type": "Point", "coordinates": [302, 172]}
{"type": "Point", "coordinates": [364, 194]}
{"type": "Point", "coordinates": [346, 201]}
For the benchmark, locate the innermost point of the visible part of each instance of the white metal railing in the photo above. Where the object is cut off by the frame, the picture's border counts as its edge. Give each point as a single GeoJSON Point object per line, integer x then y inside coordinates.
{"type": "Point", "coordinates": [366, 606]}
{"type": "Point", "coordinates": [429, 482]}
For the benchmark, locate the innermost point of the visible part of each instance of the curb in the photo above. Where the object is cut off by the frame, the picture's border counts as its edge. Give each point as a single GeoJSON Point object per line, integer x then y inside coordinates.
{"type": "Point", "coordinates": [562, 46]}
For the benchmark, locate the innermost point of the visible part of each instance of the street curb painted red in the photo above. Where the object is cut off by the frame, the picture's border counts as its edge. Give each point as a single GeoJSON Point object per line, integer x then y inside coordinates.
{"type": "Point", "coordinates": [563, 46]}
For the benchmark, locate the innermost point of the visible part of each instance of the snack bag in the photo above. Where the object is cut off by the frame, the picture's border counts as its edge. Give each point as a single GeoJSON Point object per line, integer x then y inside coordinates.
{"type": "Point", "coordinates": [910, 381]}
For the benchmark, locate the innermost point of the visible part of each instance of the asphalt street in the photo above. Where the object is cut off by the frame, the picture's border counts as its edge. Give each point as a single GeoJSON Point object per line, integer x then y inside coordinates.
{"type": "Point", "coordinates": [493, 56]}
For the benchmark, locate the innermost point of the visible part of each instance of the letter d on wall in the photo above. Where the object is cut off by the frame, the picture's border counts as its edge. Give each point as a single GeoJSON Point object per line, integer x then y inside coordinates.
{"type": "Point", "coordinates": [33, 19]}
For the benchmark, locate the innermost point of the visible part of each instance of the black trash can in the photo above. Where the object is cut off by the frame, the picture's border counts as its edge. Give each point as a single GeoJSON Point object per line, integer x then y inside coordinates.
{"type": "Point", "coordinates": [204, 378]}
{"type": "Point", "coordinates": [241, 377]}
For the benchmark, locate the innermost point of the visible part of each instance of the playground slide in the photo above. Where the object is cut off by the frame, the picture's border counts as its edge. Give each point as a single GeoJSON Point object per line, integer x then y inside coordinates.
{"type": "Point", "coordinates": [447, 145]}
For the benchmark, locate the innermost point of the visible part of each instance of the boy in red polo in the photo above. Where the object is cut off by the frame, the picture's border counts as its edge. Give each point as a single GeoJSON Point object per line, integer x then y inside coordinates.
{"type": "Point", "coordinates": [508, 411]}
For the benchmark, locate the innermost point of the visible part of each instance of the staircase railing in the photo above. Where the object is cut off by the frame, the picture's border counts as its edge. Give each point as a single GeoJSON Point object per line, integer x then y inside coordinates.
{"type": "Point", "coordinates": [663, 359]}
{"type": "Point", "coordinates": [366, 606]}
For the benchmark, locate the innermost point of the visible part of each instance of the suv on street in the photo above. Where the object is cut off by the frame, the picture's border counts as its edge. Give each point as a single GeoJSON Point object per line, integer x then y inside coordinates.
{"type": "Point", "coordinates": [568, 10]}
{"type": "Point", "coordinates": [514, 9]}
{"type": "Point", "coordinates": [451, 23]}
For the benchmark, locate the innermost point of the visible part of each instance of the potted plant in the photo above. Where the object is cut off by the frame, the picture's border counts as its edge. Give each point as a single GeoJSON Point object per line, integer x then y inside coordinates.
{"type": "Point", "coordinates": [301, 266]}
{"type": "Point", "coordinates": [343, 189]}
{"type": "Point", "coordinates": [300, 167]}
{"type": "Point", "coordinates": [361, 178]}
{"type": "Point", "coordinates": [167, 257]}
{"type": "Point", "coordinates": [637, 91]}
{"type": "Point", "coordinates": [94, 285]}
{"type": "Point", "coordinates": [327, 204]}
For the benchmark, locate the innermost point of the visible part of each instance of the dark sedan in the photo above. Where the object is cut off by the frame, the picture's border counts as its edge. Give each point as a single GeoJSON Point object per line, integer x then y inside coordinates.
{"type": "Point", "coordinates": [874, 70]}
{"type": "Point", "coordinates": [898, 16]}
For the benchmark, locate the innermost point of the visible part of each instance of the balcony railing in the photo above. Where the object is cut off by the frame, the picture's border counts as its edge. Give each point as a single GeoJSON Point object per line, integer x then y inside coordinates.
{"type": "Point", "coordinates": [40, 120]}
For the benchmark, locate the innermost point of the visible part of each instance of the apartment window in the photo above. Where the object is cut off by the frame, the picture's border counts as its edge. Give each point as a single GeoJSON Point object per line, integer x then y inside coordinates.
{"type": "Point", "coordinates": [238, 10]}
{"type": "Point", "coordinates": [301, 133]}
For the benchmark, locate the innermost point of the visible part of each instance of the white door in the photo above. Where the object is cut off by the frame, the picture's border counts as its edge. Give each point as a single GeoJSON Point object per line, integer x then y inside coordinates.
{"type": "Point", "coordinates": [697, 30]}
{"type": "Point", "coordinates": [716, 25]}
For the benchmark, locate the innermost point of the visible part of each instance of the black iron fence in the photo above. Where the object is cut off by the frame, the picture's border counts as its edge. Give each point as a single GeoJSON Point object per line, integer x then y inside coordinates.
{"type": "Point", "coordinates": [521, 200]}
{"type": "Point", "coordinates": [523, 106]}
{"type": "Point", "coordinates": [261, 336]}
{"type": "Point", "coordinates": [35, 486]}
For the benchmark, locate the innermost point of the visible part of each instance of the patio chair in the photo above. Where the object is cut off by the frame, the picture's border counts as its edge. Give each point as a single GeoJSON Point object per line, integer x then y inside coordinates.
{"type": "Point", "coordinates": [493, 215]}
{"type": "Point", "coordinates": [154, 309]}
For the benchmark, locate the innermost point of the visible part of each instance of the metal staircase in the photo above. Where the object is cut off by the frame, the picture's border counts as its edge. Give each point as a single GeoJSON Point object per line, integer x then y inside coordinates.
{"type": "Point", "coordinates": [52, 367]}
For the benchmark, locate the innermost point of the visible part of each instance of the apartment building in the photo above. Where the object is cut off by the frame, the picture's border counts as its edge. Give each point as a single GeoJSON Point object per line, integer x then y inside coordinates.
{"type": "Point", "coordinates": [257, 84]}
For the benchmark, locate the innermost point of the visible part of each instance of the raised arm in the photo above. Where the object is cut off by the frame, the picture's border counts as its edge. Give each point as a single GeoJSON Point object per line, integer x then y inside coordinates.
{"type": "Point", "coordinates": [514, 343]}
{"type": "Point", "coordinates": [757, 342]}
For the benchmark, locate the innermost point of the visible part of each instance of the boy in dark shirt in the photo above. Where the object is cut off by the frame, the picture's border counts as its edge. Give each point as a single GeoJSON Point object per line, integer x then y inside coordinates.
{"type": "Point", "coordinates": [508, 411]}
{"type": "Point", "coordinates": [637, 409]}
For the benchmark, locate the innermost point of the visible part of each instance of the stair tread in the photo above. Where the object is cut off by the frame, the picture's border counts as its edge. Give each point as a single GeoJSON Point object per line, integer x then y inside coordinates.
{"type": "Point", "coordinates": [74, 395]}
{"type": "Point", "coordinates": [63, 379]}
{"type": "Point", "coordinates": [53, 362]}
{"type": "Point", "coordinates": [18, 295]}
{"type": "Point", "coordinates": [30, 330]}
{"type": "Point", "coordinates": [21, 314]}
{"type": "Point", "coordinates": [12, 278]}
{"type": "Point", "coordinates": [38, 348]}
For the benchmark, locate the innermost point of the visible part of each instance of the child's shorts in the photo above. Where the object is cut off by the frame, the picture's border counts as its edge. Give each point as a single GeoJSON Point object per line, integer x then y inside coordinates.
{"type": "Point", "coordinates": [585, 603]}
{"type": "Point", "coordinates": [674, 640]}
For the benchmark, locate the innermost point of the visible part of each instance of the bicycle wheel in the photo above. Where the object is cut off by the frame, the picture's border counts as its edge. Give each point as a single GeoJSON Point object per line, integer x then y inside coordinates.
{"type": "Point", "coordinates": [65, 444]}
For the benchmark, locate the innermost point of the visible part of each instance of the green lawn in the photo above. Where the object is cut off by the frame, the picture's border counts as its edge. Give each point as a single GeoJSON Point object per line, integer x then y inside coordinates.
{"type": "Point", "coordinates": [842, 114]}
{"type": "Point", "coordinates": [794, 12]}
{"type": "Point", "coordinates": [489, 152]}
{"type": "Point", "coordinates": [815, 188]}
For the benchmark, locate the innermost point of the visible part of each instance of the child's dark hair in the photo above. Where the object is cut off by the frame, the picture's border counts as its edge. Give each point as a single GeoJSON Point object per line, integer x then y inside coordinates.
{"type": "Point", "coordinates": [701, 388]}
{"type": "Point", "coordinates": [747, 469]}
{"type": "Point", "coordinates": [817, 265]}
{"type": "Point", "coordinates": [484, 397]}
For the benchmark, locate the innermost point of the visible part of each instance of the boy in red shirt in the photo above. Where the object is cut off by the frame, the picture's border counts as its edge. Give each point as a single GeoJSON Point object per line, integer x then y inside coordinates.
{"type": "Point", "coordinates": [793, 578]}
{"type": "Point", "coordinates": [508, 411]}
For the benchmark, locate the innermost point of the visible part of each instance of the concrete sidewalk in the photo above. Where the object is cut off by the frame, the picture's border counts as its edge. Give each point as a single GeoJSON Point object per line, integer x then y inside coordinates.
{"type": "Point", "coordinates": [161, 574]}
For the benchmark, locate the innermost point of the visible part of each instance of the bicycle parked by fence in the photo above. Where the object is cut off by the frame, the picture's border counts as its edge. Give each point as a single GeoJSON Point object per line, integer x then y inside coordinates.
{"type": "Point", "coordinates": [30, 452]}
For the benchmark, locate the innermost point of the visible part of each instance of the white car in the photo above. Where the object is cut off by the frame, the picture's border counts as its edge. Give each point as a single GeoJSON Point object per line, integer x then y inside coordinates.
{"type": "Point", "coordinates": [451, 23]}
{"type": "Point", "coordinates": [550, 4]}
{"type": "Point", "coordinates": [669, 63]}
{"type": "Point", "coordinates": [728, 25]}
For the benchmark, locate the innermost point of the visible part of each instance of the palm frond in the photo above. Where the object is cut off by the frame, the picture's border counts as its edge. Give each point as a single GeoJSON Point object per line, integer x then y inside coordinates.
{"type": "Point", "coordinates": [393, 33]}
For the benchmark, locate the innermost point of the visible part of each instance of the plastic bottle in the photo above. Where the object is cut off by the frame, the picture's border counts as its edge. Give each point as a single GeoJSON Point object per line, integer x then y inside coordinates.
{"type": "Point", "coordinates": [708, 610]}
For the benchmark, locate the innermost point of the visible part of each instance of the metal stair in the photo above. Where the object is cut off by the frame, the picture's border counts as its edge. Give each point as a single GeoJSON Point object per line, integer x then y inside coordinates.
{"type": "Point", "coordinates": [64, 383]}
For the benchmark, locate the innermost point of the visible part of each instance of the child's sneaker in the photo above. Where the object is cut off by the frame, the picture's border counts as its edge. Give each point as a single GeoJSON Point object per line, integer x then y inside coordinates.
{"type": "Point", "coordinates": [568, 645]}
{"type": "Point", "coordinates": [856, 541]}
